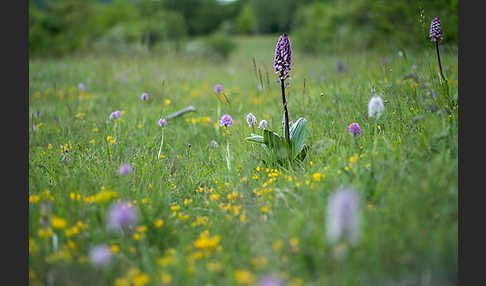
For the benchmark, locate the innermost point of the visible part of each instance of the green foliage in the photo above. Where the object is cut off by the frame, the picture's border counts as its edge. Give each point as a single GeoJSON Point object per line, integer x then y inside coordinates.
{"type": "Point", "coordinates": [122, 38]}
{"type": "Point", "coordinates": [277, 148]}
{"type": "Point", "coordinates": [246, 22]}
{"type": "Point", "coordinates": [116, 13]}
{"type": "Point", "coordinates": [69, 26]}
{"type": "Point", "coordinates": [267, 221]}
{"type": "Point", "coordinates": [334, 25]}
{"type": "Point", "coordinates": [273, 16]}
{"type": "Point", "coordinates": [63, 27]}
{"type": "Point", "coordinates": [38, 32]}
{"type": "Point", "coordinates": [219, 46]}
{"type": "Point", "coordinates": [205, 16]}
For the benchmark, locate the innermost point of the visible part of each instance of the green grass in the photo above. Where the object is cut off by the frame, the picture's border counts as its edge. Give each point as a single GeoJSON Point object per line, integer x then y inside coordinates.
{"type": "Point", "coordinates": [405, 173]}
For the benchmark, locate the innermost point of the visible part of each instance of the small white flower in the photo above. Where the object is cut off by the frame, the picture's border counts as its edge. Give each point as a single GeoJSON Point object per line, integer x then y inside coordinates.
{"type": "Point", "coordinates": [375, 107]}
{"type": "Point", "coordinates": [400, 53]}
{"type": "Point", "coordinates": [263, 124]}
{"type": "Point", "coordinates": [251, 120]}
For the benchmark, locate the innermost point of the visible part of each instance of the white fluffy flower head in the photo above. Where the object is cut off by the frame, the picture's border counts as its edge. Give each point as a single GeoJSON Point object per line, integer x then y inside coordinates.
{"type": "Point", "coordinates": [375, 107]}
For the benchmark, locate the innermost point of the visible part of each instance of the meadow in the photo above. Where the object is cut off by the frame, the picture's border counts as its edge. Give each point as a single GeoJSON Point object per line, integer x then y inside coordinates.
{"type": "Point", "coordinates": [208, 219]}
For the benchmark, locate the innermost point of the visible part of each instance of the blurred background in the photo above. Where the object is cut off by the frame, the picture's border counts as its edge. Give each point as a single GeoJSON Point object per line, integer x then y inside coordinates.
{"type": "Point", "coordinates": [59, 28]}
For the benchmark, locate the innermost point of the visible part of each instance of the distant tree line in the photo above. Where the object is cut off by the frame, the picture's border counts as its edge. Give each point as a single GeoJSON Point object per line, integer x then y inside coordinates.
{"type": "Point", "coordinates": [59, 27]}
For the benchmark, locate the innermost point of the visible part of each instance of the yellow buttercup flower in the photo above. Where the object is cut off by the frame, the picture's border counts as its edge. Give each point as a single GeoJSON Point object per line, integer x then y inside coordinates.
{"type": "Point", "coordinates": [244, 277]}
{"type": "Point", "coordinates": [57, 222]}
{"type": "Point", "coordinates": [44, 232]}
{"type": "Point", "coordinates": [140, 279]}
{"type": "Point", "coordinates": [115, 248]}
{"type": "Point", "coordinates": [166, 278]}
{"type": "Point", "coordinates": [34, 199]}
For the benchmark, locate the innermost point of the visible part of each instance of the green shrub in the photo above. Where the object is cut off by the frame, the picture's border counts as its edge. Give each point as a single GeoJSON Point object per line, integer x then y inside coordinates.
{"type": "Point", "coordinates": [246, 22]}
{"type": "Point", "coordinates": [121, 38]}
{"type": "Point", "coordinates": [219, 46]}
{"type": "Point", "coordinates": [62, 27]}
{"type": "Point", "coordinates": [38, 33]}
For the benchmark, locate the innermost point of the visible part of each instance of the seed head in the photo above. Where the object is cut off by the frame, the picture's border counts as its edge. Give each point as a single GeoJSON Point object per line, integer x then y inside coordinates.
{"type": "Point", "coordinates": [375, 107]}
{"type": "Point", "coordinates": [283, 57]}
{"type": "Point", "coordinates": [435, 30]}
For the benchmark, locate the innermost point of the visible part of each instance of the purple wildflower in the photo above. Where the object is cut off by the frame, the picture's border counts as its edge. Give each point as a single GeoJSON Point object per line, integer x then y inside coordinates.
{"type": "Point", "coordinates": [125, 169]}
{"type": "Point", "coordinates": [340, 66]}
{"type": "Point", "coordinates": [354, 129]}
{"type": "Point", "coordinates": [81, 87]}
{"type": "Point", "coordinates": [226, 120]}
{"type": "Point", "coordinates": [162, 122]}
{"type": "Point", "coordinates": [218, 88]}
{"type": "Point", "coordinates": [386, 60]}
{"type": "Point", "coordinates": [122, 216]}
{"type": "Point", "coordinates": [260, 87]}
{"type": "Point", "coordinates": [436, 36]}
{"type": "Point", "coordinates": [343, 221]}
{"type": "Point", "coordinates": [115, 114]}
{"type": "Point", "coordinates": [270, 280]}
{"type": "Point", "coordinates": [251, 120]}
{"type": "Point", "coordinates": [100, 255]}
{"type": "Point", "coordinates": [144, 96]}
{"type": "Point", "coordinates": [263, 124]}
{"type": "Point", "coordinates": [435, 33]}
{"type": "Point", "coordinates": [283, 56]}
{"type": "Point", "coordinates": [213, 143]}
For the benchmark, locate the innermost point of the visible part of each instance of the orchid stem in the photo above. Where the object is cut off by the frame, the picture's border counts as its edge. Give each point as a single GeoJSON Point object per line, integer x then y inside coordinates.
{"type": "Point", "coordinates": [287, 132]}
{"type": "Point", "coordinates": [438, 58]}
